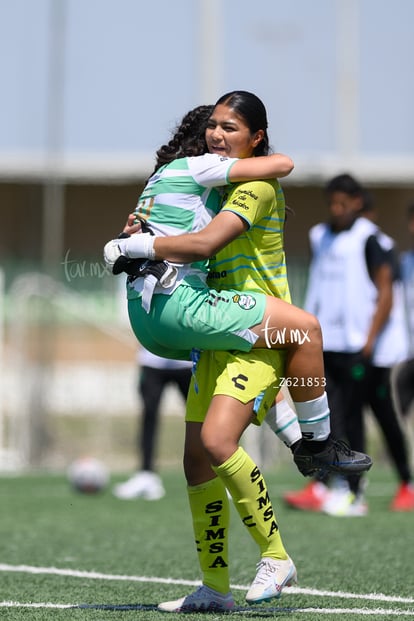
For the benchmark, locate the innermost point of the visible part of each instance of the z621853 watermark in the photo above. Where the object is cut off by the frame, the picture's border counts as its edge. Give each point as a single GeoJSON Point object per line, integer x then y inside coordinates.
{"type": "Point", "coordinates": [302, 382]}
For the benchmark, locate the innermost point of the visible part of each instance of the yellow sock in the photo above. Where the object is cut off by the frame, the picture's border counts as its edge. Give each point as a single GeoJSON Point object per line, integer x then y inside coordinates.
{"type": "Point", "coordinates": [209, 506]}
{"type": "Point", "coordinates": [247, 486]}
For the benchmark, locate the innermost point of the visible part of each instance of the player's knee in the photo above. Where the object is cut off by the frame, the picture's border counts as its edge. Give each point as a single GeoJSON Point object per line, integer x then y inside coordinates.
{"type": "Point", "coordinates": [218, 449]}
{"type": "Point", "coordinates": [313, 330]}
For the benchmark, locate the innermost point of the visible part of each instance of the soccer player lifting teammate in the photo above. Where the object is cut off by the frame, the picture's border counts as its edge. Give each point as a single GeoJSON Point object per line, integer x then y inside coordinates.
{"type": "Point", "coordinates": [249, 311]}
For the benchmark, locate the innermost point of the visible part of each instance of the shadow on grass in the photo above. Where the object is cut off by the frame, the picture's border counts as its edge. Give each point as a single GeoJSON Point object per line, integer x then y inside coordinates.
{"type": "Point", "coordinates": [256, 611]}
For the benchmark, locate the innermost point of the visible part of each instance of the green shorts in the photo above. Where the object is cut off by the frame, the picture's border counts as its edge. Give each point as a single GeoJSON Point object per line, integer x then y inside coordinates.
{"type": "Point", "coordinates": [197, 318]}
{"type": "Point", "coordinates": [254, 376]}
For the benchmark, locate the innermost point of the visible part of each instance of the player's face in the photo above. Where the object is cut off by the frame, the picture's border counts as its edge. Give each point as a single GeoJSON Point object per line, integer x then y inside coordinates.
{"type": "Point", "coordinates": [228, 134]}
{"type": "Point", "coordinates": [343, 210]}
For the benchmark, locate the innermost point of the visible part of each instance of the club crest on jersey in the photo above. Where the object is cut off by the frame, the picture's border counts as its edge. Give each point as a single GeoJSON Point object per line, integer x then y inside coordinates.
{"type": "Point", "coordinates": [244, 301]}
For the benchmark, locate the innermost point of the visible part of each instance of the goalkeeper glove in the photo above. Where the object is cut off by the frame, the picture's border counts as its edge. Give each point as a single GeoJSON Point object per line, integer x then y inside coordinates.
{"type": "Point", "coordinates": [137, 246]}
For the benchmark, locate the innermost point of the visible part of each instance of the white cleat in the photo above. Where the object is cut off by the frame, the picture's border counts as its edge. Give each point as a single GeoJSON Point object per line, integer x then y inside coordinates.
{"type": "Point", "coordinates": [342, 502]}
{"type": "Point", "coordinates": [272, 575]}
{"type": "Point", "coordinates": [345, 504]}
{"type": "Point", "coordinates": [145, 484]}
{"type": "Point", "coordinates": [202, 599]}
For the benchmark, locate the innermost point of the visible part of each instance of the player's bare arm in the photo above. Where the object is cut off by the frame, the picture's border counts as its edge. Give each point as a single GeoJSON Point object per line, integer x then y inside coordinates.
{"type": "Point", "coordinates": [225, 227]}
{"type": "Point", "coordinates": [262, 167]}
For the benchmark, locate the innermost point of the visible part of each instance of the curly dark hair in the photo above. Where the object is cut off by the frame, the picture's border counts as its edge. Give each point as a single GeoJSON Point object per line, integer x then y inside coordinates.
{"type": "Point", "coordinates": [188, 139]}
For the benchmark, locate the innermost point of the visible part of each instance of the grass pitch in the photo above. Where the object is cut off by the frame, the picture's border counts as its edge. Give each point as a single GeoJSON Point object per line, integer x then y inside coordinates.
{"type": "Point", "coordinates": [67, 556]}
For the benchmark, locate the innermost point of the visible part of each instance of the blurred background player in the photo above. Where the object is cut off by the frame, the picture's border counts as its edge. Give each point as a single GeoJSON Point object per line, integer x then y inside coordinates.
{"type": "Point", "coordinates": [155, 374]}
{"type": "Point", "coordinates": [355, 291]}
{"type": "Point", "coordinates": [403, 378]}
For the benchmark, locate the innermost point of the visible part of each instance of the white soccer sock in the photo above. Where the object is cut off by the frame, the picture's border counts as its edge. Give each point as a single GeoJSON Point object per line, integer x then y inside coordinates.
{"type": "Point", "coordinates": [314, 418]}
{"type": "Point", "coordinates": [282, 419]}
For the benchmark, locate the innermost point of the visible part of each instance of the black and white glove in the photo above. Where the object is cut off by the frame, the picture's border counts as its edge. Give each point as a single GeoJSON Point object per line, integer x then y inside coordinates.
{"type": "Point", "coordinates": [136, 246]}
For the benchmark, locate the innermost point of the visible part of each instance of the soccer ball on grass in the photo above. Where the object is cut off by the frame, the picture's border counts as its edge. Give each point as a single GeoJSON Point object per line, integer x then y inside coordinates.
{"type": "Point", "coordinates": [88, 475]}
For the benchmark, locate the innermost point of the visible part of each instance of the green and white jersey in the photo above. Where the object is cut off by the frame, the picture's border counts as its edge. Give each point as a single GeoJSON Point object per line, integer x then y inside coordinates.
{"type": "Point", "coordinates": [181, 196]}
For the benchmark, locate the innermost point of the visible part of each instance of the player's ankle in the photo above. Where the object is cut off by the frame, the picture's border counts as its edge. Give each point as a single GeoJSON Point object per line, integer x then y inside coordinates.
{"type": "Point", "coordinates": [294, 446]}
{"type": "Point", "coordinates": [315, 446]}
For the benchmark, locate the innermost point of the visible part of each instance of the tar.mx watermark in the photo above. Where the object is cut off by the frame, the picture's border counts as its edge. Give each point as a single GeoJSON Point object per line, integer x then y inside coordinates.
{"type": "Point", "coordinates": [281, 336]}
{"type": "Point", "coordinates": [74, 268]}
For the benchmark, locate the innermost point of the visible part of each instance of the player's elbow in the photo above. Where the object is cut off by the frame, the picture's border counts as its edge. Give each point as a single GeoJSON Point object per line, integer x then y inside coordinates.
{"type": "Point", "coordinates": [205, 249]}
{"type": "Point", "coordinates": [288, 166]}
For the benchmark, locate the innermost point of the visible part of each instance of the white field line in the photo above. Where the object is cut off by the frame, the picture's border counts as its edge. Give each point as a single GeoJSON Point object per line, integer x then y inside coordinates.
{"type": "Point", "coordinates": [92, 575]}
{"type": "Point", "coordinates": [347, 611]}
{"type": "Point", "coordinates": [357, 611]}
{"type": "Point", "coordinates": [37, 605]}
